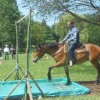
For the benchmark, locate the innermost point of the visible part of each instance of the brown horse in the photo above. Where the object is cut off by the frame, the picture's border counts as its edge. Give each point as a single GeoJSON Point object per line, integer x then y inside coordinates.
{"type": "Point", "coordinates": [90, 52]}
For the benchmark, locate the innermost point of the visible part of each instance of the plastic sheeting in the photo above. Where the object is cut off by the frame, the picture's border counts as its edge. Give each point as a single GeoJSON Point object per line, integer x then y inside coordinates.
{"type": "Point", "coordinates": [55, 87]}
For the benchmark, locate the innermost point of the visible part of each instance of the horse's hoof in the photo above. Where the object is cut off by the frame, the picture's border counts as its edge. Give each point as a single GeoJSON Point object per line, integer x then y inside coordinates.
{"type": "Point", "coordinates": [49, 78]}
{"type": "Point", "coordinates": [96, 82]}
{"type": "Point", "coordinates": [68, 83]}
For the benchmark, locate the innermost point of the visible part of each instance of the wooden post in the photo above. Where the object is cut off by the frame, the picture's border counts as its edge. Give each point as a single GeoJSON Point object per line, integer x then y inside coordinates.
{"type": "Point", "coordinates": [14, 88]}
{"type": "Point", "coordinates": [29, 90]}
{"type": "Point", "coordinates": [0, 61]}
{"type": "Point", "coordinates": [28, 40]}
{"type": "Point", "coordinates": [43, 95]}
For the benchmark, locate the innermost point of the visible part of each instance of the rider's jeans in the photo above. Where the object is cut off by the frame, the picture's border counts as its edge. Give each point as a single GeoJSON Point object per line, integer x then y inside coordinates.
{"type": "Point", "coordinates": [71, 49]}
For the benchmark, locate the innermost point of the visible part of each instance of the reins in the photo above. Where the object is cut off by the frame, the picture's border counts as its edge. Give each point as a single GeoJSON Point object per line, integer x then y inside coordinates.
{"type": "Point", "coordinates": [65, 50]}
{"type": "Point", "coordinates": [56, 53]}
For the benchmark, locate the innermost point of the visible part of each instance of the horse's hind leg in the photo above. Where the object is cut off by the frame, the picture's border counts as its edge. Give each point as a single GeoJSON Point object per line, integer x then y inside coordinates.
{"type": "Point", "coordinates": [97, 66]}
{"type": "Point", "coordinates": [98, 77]}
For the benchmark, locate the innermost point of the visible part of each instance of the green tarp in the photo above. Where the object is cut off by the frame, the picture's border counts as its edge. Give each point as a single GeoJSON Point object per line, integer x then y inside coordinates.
{"type": "Point", "coordinates": [56, 87]}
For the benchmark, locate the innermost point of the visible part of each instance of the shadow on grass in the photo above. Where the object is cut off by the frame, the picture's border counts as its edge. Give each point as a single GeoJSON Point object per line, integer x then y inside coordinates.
{"type": "Point", "coordinates": [85, 82]}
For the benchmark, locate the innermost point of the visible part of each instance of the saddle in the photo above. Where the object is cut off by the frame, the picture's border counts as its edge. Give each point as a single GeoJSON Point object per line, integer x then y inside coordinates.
{"type": "Point", "coordinates": [80, 48]}
{"type": "Point", "coordinates": [80, 45]}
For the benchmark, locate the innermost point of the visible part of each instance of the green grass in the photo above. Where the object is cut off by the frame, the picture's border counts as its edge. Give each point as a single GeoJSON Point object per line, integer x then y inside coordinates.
{"type": "Point", "coordinates": [83, 72]}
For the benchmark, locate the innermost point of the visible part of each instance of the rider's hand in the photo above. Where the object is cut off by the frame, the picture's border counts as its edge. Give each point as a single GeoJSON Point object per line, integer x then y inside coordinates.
{"type": "Point", "coordinates": [60, 42]}
{"type": "Point", "coordinates": [67, 42]}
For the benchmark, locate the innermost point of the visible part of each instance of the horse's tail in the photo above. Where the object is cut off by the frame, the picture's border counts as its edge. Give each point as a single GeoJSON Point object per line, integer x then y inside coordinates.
{"type": "Point", "coordinates": [99, 53]}
{"type": "Point", "coordinates": [99, 49]}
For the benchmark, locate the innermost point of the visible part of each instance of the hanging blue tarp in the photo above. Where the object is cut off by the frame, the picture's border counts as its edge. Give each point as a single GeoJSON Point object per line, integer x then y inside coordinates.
{"type": "Point", "coordinates": [56, 87]}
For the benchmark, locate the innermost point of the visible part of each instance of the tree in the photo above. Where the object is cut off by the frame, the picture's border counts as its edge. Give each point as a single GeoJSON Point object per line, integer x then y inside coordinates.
{"type": "Point", "coordinates": [39, 33]}
{"type": "Point", "coordinates": [94, 35]}
{"type": "Point", "coordinates": [22, 33]}
{"type": "Point", "coordinates": [8, 14]}
{"type": "Point", "coordinates": [59, 7]}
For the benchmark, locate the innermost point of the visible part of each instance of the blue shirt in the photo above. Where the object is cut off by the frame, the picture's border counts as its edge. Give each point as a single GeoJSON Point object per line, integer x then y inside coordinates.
{"type": "Point", "coordinates": [72, 36]}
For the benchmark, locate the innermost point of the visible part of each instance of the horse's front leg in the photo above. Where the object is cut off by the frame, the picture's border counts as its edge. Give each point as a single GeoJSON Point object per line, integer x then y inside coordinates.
{"type": "Point", "coordinates": [50, 68]}
{"type": "Point", "coordinates": [49, 73]}
{"type": "Point", "coordinates": [58, 64]}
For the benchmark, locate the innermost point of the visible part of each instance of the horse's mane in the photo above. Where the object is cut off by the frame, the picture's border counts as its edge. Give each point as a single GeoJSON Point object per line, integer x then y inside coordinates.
{"type": "Point", "coordinates": [49, 45]}
{"type": "Point", "coordinates": [52, 45]}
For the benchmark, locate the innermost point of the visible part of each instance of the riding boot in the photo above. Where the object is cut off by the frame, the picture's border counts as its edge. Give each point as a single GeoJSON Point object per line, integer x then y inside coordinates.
{"type": "Point", "coordinates": [72, 62]}
{"type": "Point", "coordinates": [71, 54]}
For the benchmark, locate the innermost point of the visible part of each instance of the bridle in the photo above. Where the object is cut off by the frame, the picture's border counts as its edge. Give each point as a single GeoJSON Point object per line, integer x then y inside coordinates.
{"type": "Point", "coordinates": [65, 50]}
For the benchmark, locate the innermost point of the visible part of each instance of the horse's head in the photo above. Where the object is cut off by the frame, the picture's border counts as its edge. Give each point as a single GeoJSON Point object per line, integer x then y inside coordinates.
{"type": "Point", "coordinates": [40, 51]}
{"type": "Point", "coordinates": [50, 49]}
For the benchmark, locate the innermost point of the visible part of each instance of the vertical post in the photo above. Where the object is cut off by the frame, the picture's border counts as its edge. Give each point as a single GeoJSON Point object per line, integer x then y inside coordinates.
{"type": "Point", "coordinates": [16, 43]}
{"type": "Point", "coordinates": [29, 90]}
{"type": "Point", "coordinates": [27, 53]}
{"type": "Point", "coordinates": [27, 48]}
{"type": "Point", "coordinates": [17, 61]}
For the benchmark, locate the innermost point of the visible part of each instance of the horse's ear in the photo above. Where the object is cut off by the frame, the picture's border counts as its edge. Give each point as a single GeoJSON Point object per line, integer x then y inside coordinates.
{"type": "Point", "coordinates": [45, 45]}
{"type": "Point", "coordinates": [38, 46]}
{"type": "Point", "coordinates": [35, 46]}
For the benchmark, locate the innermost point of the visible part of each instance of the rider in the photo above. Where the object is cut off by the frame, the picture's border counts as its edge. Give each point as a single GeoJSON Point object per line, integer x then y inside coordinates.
{"type": "Point", "coordinates": [72, 38]}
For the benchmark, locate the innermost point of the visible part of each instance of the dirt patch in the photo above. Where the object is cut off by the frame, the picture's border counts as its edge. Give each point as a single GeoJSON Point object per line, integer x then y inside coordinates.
{"type": "Point", "coordinates": [95, 88]}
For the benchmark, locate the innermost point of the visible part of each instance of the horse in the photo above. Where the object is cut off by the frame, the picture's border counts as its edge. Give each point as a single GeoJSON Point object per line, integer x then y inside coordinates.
{"type": "Point", "coordinates": [90, 52]}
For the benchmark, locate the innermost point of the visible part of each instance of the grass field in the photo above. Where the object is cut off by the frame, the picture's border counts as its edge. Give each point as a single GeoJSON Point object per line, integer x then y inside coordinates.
{"type": "Point", "coordinates": [83, 72]}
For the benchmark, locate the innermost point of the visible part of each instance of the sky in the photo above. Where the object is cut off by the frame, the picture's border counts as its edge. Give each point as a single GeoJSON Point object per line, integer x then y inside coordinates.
{"type": "Point", "coordinates": [25, 11]}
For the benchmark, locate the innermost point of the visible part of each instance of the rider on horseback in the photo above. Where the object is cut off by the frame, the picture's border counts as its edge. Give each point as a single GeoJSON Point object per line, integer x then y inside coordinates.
{"type": "Point", "coordinates": [72, 38]}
